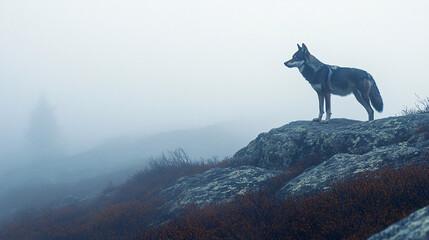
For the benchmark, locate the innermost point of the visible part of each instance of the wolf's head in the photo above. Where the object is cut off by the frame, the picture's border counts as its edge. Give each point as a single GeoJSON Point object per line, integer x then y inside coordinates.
{"type": "Point", "coordinates": [299, 58]}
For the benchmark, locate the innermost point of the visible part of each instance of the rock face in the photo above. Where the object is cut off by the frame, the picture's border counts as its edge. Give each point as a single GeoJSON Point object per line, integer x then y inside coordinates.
{"type": "Point", "coordinates": [413, 227]}
{"type": "Point", "coordinates": [218, 184]}
{"type": "Point", "coordinates": [341, 165]}
{"type": "Point", "coordinates": [287, 145]}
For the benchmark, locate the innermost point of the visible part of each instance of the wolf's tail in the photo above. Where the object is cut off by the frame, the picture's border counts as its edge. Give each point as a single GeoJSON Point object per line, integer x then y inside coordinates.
{"type": "Point", "coordinates": [374, 95]}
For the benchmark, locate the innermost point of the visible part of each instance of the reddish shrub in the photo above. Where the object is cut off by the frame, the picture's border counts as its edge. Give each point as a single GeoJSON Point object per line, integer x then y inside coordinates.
{"type": "Point", "coordinates": [353, 209]}
{"type": "Point", "coordinates": [115, 221]}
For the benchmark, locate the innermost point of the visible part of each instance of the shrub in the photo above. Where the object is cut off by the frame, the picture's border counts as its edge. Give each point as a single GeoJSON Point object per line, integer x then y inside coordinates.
{"type": "Point", "coordinates": [353, 209]}
{"type": "Point", "coordinates": [422, 106]}
{"type": "Point", "coordinates": [161, 172]}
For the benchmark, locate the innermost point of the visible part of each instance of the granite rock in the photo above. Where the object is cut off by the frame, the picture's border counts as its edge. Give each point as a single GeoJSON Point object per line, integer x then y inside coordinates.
{"type": "Point", "coordinates": [288, 145]}
{"type": "Point", "coordinates": [215, 185]}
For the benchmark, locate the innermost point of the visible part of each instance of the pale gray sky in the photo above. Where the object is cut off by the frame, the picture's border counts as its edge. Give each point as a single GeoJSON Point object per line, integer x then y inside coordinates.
{"type": "Point", "coordinates": [115, 67]}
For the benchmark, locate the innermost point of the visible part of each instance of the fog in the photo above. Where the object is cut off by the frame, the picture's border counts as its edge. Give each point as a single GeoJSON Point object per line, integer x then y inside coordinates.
{"type": "Point", "coordinates": [110, 69]}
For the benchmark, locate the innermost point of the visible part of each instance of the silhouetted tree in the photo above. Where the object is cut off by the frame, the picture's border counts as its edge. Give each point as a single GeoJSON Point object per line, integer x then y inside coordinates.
{"type": "Point", "coordinates": [43, 133]}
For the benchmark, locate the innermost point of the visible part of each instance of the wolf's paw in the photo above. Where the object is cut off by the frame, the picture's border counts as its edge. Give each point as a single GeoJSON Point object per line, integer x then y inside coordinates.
{"type": "Point", "coordinates": [316, 119]}
{"type": "Point", "coordinates": [324, 121]}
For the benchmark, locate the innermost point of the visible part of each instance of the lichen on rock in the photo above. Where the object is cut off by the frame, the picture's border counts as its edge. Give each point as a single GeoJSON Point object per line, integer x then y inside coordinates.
{"type": "Point", "coordinates": [215, 185]}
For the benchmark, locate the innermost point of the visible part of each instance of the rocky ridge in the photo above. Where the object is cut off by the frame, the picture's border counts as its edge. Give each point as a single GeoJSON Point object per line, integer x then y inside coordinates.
{"type": "Point", "coordinates": [344, 148]}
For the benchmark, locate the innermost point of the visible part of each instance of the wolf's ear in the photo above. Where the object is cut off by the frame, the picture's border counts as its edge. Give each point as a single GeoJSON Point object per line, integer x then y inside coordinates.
{"type": "Point", "coordinates": [299, 48]}
{"type": "Point", "coordinates": [304, 48]}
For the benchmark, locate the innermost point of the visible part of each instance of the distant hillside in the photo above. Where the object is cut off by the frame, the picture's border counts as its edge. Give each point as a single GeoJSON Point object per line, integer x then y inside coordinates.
{"type": "Point", "coordinates": [114, 161]}
{"type": "Point", "coordinates": [218, 140]}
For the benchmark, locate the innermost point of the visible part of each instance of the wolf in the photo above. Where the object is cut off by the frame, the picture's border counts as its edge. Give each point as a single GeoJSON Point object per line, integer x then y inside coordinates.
{"type": "Point", "coordinates": [330, 79]}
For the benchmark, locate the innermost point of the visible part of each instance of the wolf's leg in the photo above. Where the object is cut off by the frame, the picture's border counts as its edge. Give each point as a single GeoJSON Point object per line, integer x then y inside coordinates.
{"type": "Point", "coordinates": [364, 100]}
{"type": "Point", "coordinates": [320, 95]}
{"type": "Point", "coordinates": [328, 107]}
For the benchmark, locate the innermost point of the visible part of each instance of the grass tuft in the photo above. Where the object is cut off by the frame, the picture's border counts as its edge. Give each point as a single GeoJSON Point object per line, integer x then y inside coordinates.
{"type": "Point", "coordinates": [422, 106]}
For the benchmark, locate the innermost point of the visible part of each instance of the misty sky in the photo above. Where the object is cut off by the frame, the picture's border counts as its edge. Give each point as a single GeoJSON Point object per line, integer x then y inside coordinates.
{"type": "Point", "coordinates": [119, 67]}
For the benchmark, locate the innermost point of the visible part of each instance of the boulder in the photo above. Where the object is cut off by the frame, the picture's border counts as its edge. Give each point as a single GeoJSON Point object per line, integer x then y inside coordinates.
{"type": "Point", "coordinates": [215, 185]}
{"type": "Point", "coordinates": [339, 166]}
{"type": "Point", "coordinates": [288, 145]}
{"type": "Point", "coordinates": [413, 227]}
